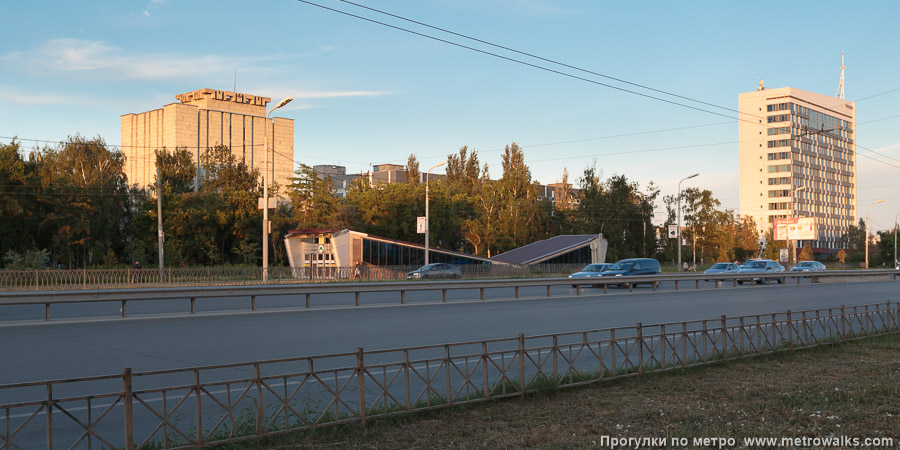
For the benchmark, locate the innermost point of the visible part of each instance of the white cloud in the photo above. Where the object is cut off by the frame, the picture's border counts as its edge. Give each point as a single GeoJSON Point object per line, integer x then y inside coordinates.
{"type": "Point", "coordinates": [336, 94]}
{"type": "Point", "coordinates": [146, 13]}
{"type": "Point", "coordinates": [12, 95]}
{"type": "Point", "coordinates": [96, 58]}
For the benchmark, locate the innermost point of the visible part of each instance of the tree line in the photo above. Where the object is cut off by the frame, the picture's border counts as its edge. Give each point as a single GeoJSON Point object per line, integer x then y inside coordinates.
{"type": "Point", "coordinates": [71, 206]}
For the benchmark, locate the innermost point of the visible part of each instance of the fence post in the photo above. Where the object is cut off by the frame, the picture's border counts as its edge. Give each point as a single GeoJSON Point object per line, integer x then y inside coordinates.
{"type": "Point", "coordinates": [517, 291]}
{"type": "Point", "coordinates": [684, 339]}
{"type": "Point", "coordinates": [84, 278]}
{"type": "Point", "coordinates": [843, 324]}
{"type": "Point", "coordinates": [521, 364]}
{"type": "Point", "coordinates": [361, 385]}
{"type": "Point", "coordinates": [260, 407]}
{"type": "Point", "coordinates": [790, 331]}
{"type": "Point", "coordinates": [741, 349]}
{"type": "Point", "coordinates": [664, 343]}
{"type": "Point", "coordinates": [199, 414]}
{"type": "Point", "coordinates": [805, 330]}
{"type": "Point", "coordinates": [705, 338]}
{"type": "Point", "coordinates": [37, 284]}
{"type": "Point", "coordinates": [252, 303]}
{"type": "Point", "coordinates": [889, 316]}
{"type": "Point", "coordinates": [406, 378]}
{"type": "Point", "coordinates": [49, 416]}
{"type": "Point", "coordinates": [402, 297]}
{"type": "Point", "coordinates": [868, 328]}
{"type": "Point", "coordinates": [128, 398]}
{"type": "Point", "coordinates": [612, 351]}
{"type": "Point", "coordinates": [724, 338]}
{"type": "Point", "coordinates": [555, 366]}
{"type": "Point", "coordinates": [484, 373]}
{"type": "Point", "coordinates": [193, 303]}
{"type": "Point", "coordinates": [897, 316]}
{"type": "Point", "coordinates": [640, 343]}
{"type": "Point", "coordinates": [447, 374]}
{"type": "Point", "coordinates": [307, 300]}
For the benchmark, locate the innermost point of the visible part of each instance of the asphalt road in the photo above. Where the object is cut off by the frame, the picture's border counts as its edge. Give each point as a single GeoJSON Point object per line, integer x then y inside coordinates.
{"type": "Point", "coordinates": [75, 348]}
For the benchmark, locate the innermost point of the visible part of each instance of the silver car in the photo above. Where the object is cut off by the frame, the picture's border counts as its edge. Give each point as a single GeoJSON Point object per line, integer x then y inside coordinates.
{"type": "Point", "coordinates": [591, 271]}
{"type": "Point", "coordinates": [761, 266]}
{"type": "Point", "coordinates": [808, 266]}
{"type": "Point", "coordinates": [720, 268]}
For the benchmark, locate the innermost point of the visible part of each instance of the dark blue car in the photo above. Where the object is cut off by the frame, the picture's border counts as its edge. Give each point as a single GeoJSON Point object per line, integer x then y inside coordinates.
{"type": "Point", "coordinates": [634, 267]}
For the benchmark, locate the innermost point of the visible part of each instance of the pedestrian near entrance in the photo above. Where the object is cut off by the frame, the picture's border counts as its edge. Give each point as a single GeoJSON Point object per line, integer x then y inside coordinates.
{"type": "Point", "coordinates": [136, 267]}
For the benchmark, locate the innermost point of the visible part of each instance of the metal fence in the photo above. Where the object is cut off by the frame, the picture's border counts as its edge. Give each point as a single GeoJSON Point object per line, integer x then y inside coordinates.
{"type": "Point", "coordinates": [225, 403]}
{"type": "Point", "coordinates": [21, 280]}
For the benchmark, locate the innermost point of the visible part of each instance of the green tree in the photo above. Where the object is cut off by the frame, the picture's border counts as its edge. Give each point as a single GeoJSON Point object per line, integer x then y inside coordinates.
{"type": "Point", "coordinates": [177, 169]}
{"type": "Point", "coordinates": [19, 188]}
{"type": "Point", "coordinates": [86, 202]}
{"type": "Point", "coordinates": [313, 200]}
{"type": "Point", "coordinates": [619, 210]}
{"type": "Point", "coordinates": [413, 176]}
{"type": "Point", "coordinates": [463, 170]}
{"type": "Point", "coordinates": [855, 241]}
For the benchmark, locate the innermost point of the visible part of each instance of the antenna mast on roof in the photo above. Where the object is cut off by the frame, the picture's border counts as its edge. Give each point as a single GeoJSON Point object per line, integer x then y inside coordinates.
{"type": "Point", "coordinates": [840, 92]}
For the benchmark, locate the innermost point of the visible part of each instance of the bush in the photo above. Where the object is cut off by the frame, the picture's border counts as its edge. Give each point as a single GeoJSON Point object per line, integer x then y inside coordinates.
{"type": "Point", "coordinates": [32, 259]}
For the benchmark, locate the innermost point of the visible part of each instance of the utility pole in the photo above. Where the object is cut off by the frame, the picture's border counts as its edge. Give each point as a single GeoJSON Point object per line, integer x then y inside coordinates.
{"type": "Point", "coordinates": [159, 221]}
{"type": "Point", "coordinates": [679, 219]}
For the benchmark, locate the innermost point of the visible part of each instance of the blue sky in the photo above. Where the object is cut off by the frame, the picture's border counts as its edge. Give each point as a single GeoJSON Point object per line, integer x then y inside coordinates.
{"type": "Point", "coordinates": [367, 94]}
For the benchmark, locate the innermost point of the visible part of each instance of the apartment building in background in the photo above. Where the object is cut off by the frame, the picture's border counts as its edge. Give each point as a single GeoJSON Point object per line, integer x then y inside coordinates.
{"type": "Point", "coordinates": [202, 119]}
{"type": "Point", "coordinates": [798, 159]}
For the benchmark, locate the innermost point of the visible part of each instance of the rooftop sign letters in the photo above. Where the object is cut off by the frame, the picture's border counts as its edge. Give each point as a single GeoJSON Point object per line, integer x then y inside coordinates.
{"type": "Point", "coordinates": [226, 96]}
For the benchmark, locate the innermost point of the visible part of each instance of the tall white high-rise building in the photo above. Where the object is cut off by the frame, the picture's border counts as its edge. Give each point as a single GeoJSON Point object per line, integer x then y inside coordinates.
{"type": "Point", "coordinates": [798, 159]}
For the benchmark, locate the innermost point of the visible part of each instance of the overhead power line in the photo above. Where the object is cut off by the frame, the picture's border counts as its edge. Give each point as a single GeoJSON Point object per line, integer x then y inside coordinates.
{"type": "Point", "coordinates": [525, 63]}
{"type": "Point", "coordinates": [540, 67]}
{"type": "Point", "coordinates": [531, 55]}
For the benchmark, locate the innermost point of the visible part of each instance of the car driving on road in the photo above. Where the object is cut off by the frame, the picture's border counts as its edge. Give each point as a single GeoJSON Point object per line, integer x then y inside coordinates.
{"type": "Point", "coordinates": [720, 268]}
{"type": "Point", "coordinates": [761, 266]}
{"type": "Point", "coordinates": [633, 267]}
{"type": "Point", "coordinates": [435, 270]}
{"type": "Point", "coordinates": [808, 266]}
{"type": "Point", "coordinates": [591, 271]}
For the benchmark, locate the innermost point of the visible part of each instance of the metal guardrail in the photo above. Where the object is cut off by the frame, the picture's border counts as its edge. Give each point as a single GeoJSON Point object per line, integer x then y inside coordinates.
{"type": "Point", "coordinates": [307, 291]}
{"type": "Point", "coordinates": [23, 280]}
{"type": "Point", "coordinates": [226, 403]}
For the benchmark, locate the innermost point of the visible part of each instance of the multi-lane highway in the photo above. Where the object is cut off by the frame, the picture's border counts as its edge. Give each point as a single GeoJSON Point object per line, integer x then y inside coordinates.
{"type": "Point", "coordinates": [157, 339]}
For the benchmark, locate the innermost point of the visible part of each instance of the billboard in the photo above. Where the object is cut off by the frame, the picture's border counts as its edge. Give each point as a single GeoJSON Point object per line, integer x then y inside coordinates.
{"type": "Point", "coordinates": [796, 229]}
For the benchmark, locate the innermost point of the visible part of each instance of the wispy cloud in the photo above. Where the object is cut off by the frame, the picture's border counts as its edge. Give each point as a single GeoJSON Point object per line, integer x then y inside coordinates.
{"type": "Point", "coordinates": [336, 94]}
{"type": "Point", "coordinates": [11, 94]}
{"type": "Point", "coordinates": [108, 62]}
{"type": "Point", "coordinates": [278, 92]}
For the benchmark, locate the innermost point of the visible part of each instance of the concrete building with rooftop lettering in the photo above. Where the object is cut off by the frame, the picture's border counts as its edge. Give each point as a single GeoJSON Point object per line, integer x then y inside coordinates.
{"type": "Point", "coordinates": [202, 119]}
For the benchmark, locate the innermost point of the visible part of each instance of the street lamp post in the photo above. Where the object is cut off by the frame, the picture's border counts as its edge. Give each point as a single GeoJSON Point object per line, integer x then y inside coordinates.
{"type": "Point", "coordinates": [427, 219]}
{"type": "Point", "coordinates": [895, 237]}
{"type": "Point", "coordinates": [867, 231]}
{"type": "Point", "coordinates": [793, 208]}
{"type": "Point", "coordinates": [265, 223]}
{"type": "Point", "coordinates": [679, 219]}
